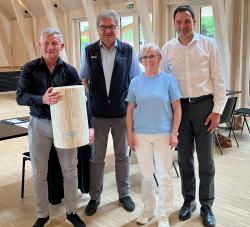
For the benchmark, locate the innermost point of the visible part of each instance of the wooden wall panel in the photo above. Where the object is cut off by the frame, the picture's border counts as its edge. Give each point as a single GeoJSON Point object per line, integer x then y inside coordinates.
{"type": "Point", "coordinates": [19, 52]}
{"type": "Point", "coordinates": [5, 45]}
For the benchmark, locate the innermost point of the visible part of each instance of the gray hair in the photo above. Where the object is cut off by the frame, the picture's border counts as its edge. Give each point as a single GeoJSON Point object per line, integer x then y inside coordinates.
{"type": "Point", "coordinates": [52, 31]}
{"type": "Point", "coordinates": [111, 14]}
{"type": "Point", "coordinates": [147, 47]}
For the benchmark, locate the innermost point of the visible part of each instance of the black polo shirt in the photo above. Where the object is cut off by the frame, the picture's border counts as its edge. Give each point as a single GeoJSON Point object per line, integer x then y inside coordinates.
{"type": "Point", "coordinates": [35, 79]}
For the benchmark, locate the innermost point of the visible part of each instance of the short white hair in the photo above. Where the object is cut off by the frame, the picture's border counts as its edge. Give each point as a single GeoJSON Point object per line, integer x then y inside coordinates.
{"type": "Point", "coordinates": [52, 31]}
{"type": "Point", "coordinates": [111, 14]}
{"type": "Point", "coordinates": [147, 47]}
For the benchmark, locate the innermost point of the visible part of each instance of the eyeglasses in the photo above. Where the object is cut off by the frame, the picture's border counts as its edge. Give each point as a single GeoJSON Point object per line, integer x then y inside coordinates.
{"type": "Point", "coordinates": [110, 27]}
{"type": "Point", "coordinates": [150, 57]}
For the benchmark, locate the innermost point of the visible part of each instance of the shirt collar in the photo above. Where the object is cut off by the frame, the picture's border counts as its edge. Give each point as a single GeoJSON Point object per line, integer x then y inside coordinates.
{"type": "Point", "coordinates": [59, 61]}
{"type": "Point", "coordinates": [115, 44]}
{"type": "Point", "coordinates": [194, 40]}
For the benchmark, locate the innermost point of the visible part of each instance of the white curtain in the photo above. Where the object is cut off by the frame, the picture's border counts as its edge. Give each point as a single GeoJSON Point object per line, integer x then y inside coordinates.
{"type": "Point", "coordinates": [232, 24]}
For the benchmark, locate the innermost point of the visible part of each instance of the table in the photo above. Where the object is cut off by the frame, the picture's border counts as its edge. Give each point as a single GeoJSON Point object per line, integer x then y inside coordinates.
{"type": "Point", "coordinates": [55, 179]}
{"type": "Point", "coordinates": [232, 92]}
{"type": "Point", "coordinates": [8, 131]}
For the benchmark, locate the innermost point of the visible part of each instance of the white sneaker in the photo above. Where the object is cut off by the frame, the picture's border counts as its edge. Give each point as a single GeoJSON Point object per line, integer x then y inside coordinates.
{"type": "Point", "coordinates": [145, 217]}
{"type": "Point", "coordinates": [163, 222]}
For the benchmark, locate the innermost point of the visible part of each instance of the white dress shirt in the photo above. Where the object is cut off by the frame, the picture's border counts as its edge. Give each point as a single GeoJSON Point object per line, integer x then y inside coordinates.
{"type": "Point", "coordinates": [197, 68]}
{"type": "Point", "coordinates": [108, 58]}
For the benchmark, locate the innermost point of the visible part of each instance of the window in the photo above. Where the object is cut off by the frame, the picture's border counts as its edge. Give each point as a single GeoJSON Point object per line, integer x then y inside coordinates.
{"type": "Point", "coordinates": [84, 35]}
{"type": "Point", "coordinates": [127, 32]}
{"type": "Point", "coordinates": [207, 21]}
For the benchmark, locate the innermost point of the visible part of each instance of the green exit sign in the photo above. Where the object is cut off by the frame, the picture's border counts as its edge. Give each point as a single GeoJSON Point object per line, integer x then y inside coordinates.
{"type": "Point", "coordinates": [130, 5]}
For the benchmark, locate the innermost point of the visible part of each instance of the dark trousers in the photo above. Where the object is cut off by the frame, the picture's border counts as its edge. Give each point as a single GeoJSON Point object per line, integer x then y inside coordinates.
{"type": "Point", "coordinates": [193, 134]}
{"type": "Point", "coordinates": [102, 127]}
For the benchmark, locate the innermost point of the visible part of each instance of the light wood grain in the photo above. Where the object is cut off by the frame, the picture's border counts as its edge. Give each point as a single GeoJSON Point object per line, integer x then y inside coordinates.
{"type": "Point", "coordinates": [232, 187]}
{"type": "Point", "coordinates": [69, 118]}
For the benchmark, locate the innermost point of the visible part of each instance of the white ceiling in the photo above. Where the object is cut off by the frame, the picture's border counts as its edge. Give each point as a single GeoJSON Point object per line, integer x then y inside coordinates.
{"type": "Point", "coordinates": [35, 7]}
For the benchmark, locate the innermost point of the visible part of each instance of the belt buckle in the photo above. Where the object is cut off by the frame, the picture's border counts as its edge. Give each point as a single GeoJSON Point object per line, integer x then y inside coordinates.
{"type": "Point", "coordinates": [190, 99]}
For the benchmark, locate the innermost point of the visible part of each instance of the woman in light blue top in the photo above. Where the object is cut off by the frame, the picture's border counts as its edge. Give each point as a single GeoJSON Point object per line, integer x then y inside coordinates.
{"type": "Point", "coordinates": [153, 118]}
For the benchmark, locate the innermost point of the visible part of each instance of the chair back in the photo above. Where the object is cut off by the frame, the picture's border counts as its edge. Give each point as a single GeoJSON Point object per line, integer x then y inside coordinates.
{"type": "Point", "coordinates": [228, 110]}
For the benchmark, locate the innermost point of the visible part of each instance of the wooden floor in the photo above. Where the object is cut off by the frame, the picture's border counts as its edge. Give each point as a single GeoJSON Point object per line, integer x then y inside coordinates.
{"type": "Point", "coordinates": [232, 187]}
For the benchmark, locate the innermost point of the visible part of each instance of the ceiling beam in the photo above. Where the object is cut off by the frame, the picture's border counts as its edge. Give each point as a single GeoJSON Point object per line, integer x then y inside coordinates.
{"type": "Point", "coordinates": [23, 29]}
{"type": "Point", "coordinates": [49, 10]}
{"type": "Point", "coordinates": [158, 21]}
{"type": "Point", "coordinates": [142, 7]}
{"type": "Point", "coordinates": [73, 39]}
{"type": "Point", "coordinates": [26, 8]}
{"type": "Point", "coordinates": [6, 45]}
{"type": "Point", "coordinates": [61, 5]}
{"type": "Point", "coordinates": [91, 17]}
{"type": "Point", "coordinates": [35, 34]}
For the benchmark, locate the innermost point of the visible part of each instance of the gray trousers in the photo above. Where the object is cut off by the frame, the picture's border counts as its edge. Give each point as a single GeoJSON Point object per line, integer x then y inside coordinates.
{"type": "Point", "coordinates": [40, 142]}
{"type": "Point", "coordinates": [102, 127]}
{"type": "Point", "coordinates": [193, 134]}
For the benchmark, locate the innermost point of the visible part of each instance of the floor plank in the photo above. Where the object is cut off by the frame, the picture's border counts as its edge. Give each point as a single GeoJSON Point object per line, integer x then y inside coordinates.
{"type": "Point", "coordinates": [232, 187]}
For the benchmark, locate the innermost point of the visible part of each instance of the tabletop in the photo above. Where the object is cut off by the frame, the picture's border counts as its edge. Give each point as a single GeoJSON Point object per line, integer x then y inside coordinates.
{"type": "Point", "coordinates": [232, 92]}
{"type": "Point", "coordinates": [10, 131]}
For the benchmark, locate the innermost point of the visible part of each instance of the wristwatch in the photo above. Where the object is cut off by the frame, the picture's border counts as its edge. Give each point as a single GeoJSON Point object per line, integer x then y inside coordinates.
{"type": "Point", "coordinates": [175, 132]}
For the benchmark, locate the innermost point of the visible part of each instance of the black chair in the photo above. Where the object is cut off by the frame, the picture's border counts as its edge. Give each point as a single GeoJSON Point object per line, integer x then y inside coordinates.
{"type": "Point", "coordinates": [26, 157]}
{"type": "Point", "coordinates": [245, 112]}
{"type": "Point", "coordinates": [177, 174]}
{"type": "Point", "coordinates": [55, 178]}
{"type": "Point", "coordinates": [227, 118]}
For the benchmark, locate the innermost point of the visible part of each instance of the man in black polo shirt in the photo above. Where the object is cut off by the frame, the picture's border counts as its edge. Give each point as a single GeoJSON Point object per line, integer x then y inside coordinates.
{"type": "Point", "coordinates": [34, 89]}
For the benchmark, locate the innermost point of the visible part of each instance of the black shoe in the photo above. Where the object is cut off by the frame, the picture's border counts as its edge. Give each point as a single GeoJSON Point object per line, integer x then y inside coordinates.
{"type": "Point", "coordinates": [75, 220]}
{"type": "Point", "coordinates": [91, 207]}
{"type": "Point", "coordinates": [127, 203]}
{"type": "Point", "coordinates": [207, 216]}
{"type": "Point", "coordinates": [40, 222]}
{"type": "Point", "coordinates": [186, 210]}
